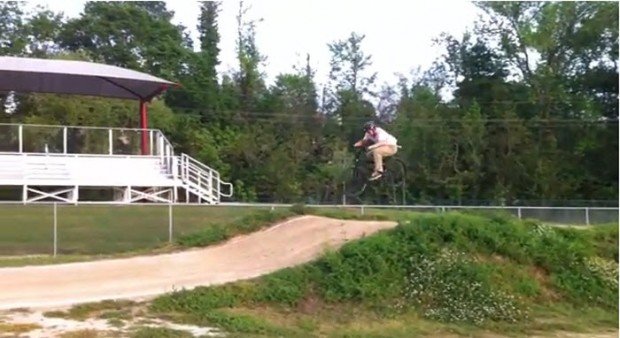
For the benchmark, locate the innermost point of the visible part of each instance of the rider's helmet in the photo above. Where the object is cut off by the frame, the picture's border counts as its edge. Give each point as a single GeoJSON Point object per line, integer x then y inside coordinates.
{"type": "Point", "coordinates": [369, 125]}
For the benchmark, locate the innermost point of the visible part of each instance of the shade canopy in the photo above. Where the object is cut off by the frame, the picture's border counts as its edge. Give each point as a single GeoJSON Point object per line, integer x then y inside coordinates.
{"type": "Point", "coordinates": [77, 77]}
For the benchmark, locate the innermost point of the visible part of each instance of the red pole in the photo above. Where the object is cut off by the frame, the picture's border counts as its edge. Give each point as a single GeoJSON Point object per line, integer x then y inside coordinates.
{"type": "Point", "coordinates": [143, 126]}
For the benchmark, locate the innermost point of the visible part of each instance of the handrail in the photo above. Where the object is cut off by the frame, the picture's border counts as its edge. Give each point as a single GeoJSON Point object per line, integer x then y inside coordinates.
{"type": "Point", "coordinates": [77, 127]}
{"type": "Point", "coordinates": [159, 143]}
{"type": "Point", "coordinates": [197, 163]}
{"type": "Point", "coordinates": [200, 176]}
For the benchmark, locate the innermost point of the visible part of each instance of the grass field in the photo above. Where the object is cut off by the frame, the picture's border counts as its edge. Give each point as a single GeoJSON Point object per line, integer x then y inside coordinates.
{"type": "Point", "coordinates": [103, 229]}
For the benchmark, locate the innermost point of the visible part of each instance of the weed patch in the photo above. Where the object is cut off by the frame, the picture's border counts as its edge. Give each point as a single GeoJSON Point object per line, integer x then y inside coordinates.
{"type": "Point", "coordinates": [222, 231]}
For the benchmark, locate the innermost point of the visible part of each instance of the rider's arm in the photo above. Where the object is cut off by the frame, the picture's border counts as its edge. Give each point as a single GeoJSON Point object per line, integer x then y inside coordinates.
{"type": "Point", "coordinates": [383, 139]}
{"type": "Point", "coordinates": [360, 143]}
{"type": "Point", "coordinates": [377, 145]}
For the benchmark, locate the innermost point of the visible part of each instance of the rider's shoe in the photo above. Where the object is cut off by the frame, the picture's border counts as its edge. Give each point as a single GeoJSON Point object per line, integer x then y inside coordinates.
{"type": "Point", "coordinates": [375, 176]}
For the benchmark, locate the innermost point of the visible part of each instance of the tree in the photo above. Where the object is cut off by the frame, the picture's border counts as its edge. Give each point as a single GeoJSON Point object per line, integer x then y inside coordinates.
{"type": "Point", "coordinates": [209, 52]}
{"type": "Point", "coordinates": [12, 37]}
{"type": "Point", "coordinates": [42, 31]}
{"type": "Point", "coordinates": [249, 77]}
{"type": "Point", "coordinates": [200, 90]}
{"type": "Point", "coordinates": [293, 100]}
{"type": "Point", "coordinates": [127, 34]}
{"type": "Point", "coordinates": [349, 86]}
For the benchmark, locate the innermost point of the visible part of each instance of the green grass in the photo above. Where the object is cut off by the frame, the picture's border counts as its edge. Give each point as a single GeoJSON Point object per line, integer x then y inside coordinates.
{"type": "Point", "coordinates": [17, 328]}
{"type": "Point", "coordinates": [109, 309]}
{"type": "Point", "coordinates": [445, 274]}
{"type": "Point", "coordinates": [159, 332]}
{"type": "Point", "coordinates": [218, 232]}
{"type": "Point", "coordinates": [104, 229]}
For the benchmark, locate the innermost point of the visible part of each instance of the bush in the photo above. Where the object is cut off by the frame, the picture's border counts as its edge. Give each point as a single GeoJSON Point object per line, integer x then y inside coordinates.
{"type": "Point", "coordinates": [453, 287]}
{"type": "Point", "coordinates": [298, 209]}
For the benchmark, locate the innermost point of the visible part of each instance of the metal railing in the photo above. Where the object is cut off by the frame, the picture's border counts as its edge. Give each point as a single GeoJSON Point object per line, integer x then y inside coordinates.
{"type": "Point", "coordinates": [202, 179]}
{"type": "Point", "coordinates": [55, 139]}
{"type": "Point", "coordinates": [35, 139]}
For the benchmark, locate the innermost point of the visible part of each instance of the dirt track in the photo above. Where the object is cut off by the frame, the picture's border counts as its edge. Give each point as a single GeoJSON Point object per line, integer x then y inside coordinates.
{"type": "Point", "coordinates": [289, 243]}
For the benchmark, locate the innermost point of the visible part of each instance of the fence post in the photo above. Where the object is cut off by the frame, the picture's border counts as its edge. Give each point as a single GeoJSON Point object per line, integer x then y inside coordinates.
{"type": "Point", "coordinates": [20, 136]}
{"type": "Point", "coordinates": [64, 140]}
{"type": "Point", "coordinates": [170, 222]}
{"type": "Point", "coordinates": [55, 229]}
{"type": "Point", "coordinates": [362, 210]}
{"type": "Point", "coordinates": [587, 216]}
{"type": "Point", "coordinates": [110, 147]}
{"type": "Point", "coordinates": [519, 212]}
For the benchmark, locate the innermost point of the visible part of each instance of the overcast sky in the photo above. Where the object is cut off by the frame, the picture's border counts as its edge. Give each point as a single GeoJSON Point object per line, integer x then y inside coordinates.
{"type": "Point", "coordinates": [399, 33]}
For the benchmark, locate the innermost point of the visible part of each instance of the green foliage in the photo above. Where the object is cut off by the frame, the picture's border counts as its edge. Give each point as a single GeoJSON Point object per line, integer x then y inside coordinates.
{"type": "Point", "coordinates": [219, 232]}
{"type": "Point", "coordinates": [368, 271]}
{"type": "Point", "coordinates": [605, 239]}
{"type": "Point", "coordinates": [449, 267]}
{"type": "Point", "coordinates": [140, 46]}
{"type": "Point", "coordinates": [451, 286]}
{"type": "Point", "coordinates": [241, 323]}
{"type": "Point", "coordinates": [299, 209]}
{"type": "Point", "coordinates": [287, 286]}
{"type": "Point", "coordinates": [159, 332]}
{"type": "Point", "coordinates": [200, 300]}
{"type": "Point", "coordinates": [107, 309]}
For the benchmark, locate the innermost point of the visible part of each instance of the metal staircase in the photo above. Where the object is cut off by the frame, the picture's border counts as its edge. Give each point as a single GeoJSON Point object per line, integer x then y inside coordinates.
{"type": "Point", "coordinates": [201, 181]}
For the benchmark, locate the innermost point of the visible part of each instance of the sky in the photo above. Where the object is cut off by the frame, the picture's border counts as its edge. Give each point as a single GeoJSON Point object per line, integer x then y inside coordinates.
{"type": "Point", "coordinates": [399, 33]}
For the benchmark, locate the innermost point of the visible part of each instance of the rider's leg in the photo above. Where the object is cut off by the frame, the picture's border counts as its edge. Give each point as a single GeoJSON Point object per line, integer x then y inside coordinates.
{"type": "Point", "coordinates": [378, 154]}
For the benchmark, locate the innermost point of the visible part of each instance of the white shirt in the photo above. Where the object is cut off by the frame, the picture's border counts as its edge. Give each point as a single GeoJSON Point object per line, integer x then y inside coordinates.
{"type": "Point", "coordinates": [381, 136]}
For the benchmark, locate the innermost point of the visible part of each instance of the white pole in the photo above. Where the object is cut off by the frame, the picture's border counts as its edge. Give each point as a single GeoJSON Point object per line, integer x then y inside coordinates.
{"type": "Point", "coordinates": [55, 229]}
{"type": "Point", "coordinates": [20, 135]}
{"type": "Point", "coordinates": [170, 222]}
{"type": "Point", "coordinates": [64, 140]}
{"type": "Point", "coordinates": [151, 141]}
{"type": "Point", "coordinates": [110, 141]}
{"type": "Point", "coordinates": [587, 216]}
{"type": "Point", "coordinates": [519, 212]}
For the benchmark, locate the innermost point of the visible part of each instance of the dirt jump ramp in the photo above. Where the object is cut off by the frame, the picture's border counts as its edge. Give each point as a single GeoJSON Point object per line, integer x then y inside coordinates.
{"type": "Point", "coordinates": [286, 244]}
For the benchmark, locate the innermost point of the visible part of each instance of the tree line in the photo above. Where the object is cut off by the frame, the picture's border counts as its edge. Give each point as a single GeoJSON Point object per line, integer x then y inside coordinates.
{"type": "Point", "coordinates": [532, 114]}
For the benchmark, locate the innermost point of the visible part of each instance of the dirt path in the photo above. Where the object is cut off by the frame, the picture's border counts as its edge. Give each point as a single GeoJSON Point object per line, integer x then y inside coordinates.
{"type": "Point", "coordinates": [290, 243]}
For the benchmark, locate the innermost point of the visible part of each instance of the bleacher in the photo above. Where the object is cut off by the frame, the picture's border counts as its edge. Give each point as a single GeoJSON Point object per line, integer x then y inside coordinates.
{"type": "Point", "coordinates": [62, 169]}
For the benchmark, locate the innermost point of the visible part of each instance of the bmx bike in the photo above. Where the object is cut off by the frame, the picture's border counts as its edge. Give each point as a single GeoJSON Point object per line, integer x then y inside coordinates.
{"type": "Point", "coordinates": [390, 187]}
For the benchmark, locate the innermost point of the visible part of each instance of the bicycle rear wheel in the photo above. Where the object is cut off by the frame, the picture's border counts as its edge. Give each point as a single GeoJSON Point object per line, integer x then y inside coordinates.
{"type": "Point", "coordinates": [394, 172]}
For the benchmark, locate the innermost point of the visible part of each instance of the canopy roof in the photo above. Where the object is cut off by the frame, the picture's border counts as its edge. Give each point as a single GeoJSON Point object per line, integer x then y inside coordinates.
{"type": "Point", "coordinates": [77, 77]}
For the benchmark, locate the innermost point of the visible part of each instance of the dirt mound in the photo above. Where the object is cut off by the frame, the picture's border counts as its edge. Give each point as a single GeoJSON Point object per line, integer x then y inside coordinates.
{"type": "Point", "coordinates": [290, 243]}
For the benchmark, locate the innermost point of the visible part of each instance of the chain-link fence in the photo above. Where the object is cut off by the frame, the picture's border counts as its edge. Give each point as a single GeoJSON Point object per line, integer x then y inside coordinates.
{"type": "Point", "coordinates": [101, 229]}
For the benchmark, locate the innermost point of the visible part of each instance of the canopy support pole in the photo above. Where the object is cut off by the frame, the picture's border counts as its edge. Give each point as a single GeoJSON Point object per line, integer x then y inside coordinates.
{"type": "Point", "coordinates": [144, 126]}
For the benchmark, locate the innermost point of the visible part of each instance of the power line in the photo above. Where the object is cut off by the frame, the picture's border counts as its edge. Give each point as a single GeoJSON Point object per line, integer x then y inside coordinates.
{"type": "Point", "coordinates": [200, 113]}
